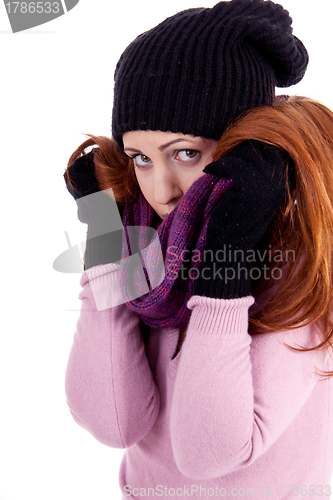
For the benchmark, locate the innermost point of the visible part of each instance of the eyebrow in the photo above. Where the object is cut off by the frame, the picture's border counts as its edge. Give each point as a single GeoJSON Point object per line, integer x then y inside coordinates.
{"type": "Point", "coordinates": [163, 147]}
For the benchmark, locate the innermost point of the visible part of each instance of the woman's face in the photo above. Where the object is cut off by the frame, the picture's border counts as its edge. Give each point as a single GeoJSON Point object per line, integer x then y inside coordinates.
{"type": "Point", "coordinates": [167, 164]}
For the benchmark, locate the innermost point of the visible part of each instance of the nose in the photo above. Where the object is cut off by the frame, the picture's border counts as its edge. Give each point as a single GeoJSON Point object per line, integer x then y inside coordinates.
{"type": "Point", "coordinates": [167, 188]}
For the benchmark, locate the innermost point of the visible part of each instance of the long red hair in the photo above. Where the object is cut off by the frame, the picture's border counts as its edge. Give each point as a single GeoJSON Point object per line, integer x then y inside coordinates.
{"type": "Point", "coordinates": [303, 224]}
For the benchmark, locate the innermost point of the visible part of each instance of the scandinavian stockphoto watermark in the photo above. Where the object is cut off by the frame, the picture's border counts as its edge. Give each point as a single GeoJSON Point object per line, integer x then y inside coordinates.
{"type": "Point", "coordinates": [29, 14]}
{"type": "Point", "coordinates": [227, 264]}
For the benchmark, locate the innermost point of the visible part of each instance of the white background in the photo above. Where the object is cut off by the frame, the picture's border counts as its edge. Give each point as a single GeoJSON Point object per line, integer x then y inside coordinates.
{"type": "Point", "coordinates": [56, 84]}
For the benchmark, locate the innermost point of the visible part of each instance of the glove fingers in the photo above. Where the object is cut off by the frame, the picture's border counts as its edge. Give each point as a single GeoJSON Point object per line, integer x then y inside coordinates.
{"type": "Point", "coordinates": [257, 173]}
{"type": "Point", "coordinates": [82, 175]}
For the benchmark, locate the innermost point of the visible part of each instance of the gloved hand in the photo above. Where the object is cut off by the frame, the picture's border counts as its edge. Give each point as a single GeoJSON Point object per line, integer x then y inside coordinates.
{"type": "Point", "coordinates": [82, 174]}
{"type": "Point", "coordinates": [97, 209]}
{"type": "Point", "coordinates": [241, 217]}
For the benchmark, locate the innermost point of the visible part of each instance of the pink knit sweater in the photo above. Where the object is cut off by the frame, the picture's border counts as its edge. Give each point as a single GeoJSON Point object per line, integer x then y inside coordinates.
{"type": "Point", "coordinates": [230, 415]}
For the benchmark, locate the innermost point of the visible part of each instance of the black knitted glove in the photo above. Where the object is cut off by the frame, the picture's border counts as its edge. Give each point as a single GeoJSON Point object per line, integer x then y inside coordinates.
{"type": "Point", "coordinates": [98, 210]}
{"type": "Point", "coordinates": [82, 174]}
{"type": "Point", "coordinates": [241, 217]}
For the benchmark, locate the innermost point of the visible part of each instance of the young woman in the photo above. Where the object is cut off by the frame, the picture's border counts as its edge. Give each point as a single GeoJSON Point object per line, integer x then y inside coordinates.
{"type": "Point", "coordinates": [215, 374]}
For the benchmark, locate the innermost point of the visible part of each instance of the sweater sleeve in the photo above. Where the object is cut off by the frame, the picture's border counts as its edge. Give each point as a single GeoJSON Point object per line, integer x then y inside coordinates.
{"type": "Point", "coordinates": [109, 385]}
{"type": "Point", "coordinates": [234, 393]}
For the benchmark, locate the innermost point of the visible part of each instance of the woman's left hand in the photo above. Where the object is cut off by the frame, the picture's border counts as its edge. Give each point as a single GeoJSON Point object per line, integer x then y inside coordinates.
{"type": "Point", "coordinates": [242, 215]}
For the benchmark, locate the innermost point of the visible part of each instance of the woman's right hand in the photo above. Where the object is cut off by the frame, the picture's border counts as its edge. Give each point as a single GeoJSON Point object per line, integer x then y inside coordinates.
{"type": "Point", "coordinates": [97, 209]}
{"type": "Point", "coordinates": [82, 175]}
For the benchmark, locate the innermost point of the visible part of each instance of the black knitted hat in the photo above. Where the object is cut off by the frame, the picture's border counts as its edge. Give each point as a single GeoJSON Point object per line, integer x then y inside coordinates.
{"type": "Point", "coordinates": [200, 69]}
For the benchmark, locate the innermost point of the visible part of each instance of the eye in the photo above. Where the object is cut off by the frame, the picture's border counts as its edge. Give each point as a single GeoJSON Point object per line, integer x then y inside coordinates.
{"type": "Point", "coordinates": [141, 161]}
{"type": "Point", "coordinates": [187, 154]}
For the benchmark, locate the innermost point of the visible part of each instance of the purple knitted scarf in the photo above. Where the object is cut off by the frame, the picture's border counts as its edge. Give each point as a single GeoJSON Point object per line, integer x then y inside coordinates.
{"type": "Point", "coordinates": [181, 234]}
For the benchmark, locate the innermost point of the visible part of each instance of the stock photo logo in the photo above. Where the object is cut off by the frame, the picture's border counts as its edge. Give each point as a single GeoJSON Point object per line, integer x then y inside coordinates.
{"type": "Point", "coordinates": [137, 249]}
{"type": "Point", "coordinates": [25, 15]}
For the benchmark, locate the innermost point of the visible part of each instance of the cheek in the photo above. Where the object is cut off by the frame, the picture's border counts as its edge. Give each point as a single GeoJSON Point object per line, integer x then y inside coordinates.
{"type": "Point", "coordinates": [145, 184]}
{"type": "Point", "coordinates": [140, 179]}
{"type": "Point", "coordinates": [191, 178]}
{"type": "Point", "coordinates": [199, 171]}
